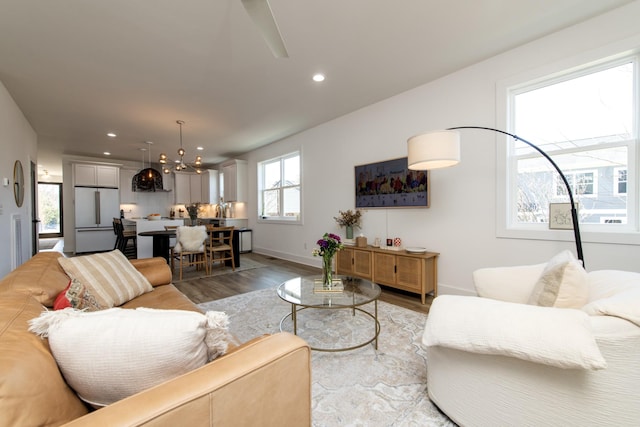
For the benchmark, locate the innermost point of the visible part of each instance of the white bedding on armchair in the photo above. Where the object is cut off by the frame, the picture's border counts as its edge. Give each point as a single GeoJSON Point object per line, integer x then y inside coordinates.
{"type": "Point", "coordinates": [551, 336]}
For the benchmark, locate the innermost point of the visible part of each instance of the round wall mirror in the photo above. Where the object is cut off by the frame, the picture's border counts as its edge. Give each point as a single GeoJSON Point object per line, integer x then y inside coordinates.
{"type": "Point", "coordinates": [18, 183]}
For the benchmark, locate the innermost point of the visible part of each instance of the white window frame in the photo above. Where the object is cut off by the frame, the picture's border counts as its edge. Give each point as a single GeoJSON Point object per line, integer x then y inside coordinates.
{"type": "Point", "coordinates": [260, 172]}
{"type": "Point", "coordinates": [506, 227]}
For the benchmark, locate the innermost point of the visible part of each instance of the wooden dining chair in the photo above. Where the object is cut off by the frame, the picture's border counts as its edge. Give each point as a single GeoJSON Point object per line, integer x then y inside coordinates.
{"type": "Point", "coordinates": [220, 246]}
{"type": "Point", "coordinates": [191, 247]}
{"type": "Point", "coordinates": [172, 244]}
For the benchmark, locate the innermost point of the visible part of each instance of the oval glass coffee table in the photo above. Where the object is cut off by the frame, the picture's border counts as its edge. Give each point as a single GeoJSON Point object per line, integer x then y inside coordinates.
{"type": "Point", "coordinates": [347, 293]}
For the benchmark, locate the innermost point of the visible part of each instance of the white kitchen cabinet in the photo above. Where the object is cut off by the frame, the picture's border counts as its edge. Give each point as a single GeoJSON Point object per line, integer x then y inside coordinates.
{"type": "Point", "coordinates": [235, 180]}
{"type": "Point", "coordinates": [92, 175]}
{"type": "Point", "coordinates": [127, 195]}
{"type": "Point", "coordinates": [191, 188]}
{"type": "Point", "coordinates": [214, 187]}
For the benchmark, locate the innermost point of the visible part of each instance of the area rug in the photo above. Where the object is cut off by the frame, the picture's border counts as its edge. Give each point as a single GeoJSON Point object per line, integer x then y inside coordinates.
{"type": "Point", "coordinates": [362, 387]}
{"type": "Point", "coordinates": [190, 273]}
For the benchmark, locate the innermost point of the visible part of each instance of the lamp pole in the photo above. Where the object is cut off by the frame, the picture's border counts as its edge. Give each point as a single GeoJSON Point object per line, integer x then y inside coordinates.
{"type": "Point", "coordinates": [574, 212]}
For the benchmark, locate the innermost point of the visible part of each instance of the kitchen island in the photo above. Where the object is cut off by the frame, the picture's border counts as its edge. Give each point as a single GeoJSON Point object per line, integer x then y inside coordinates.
{"type": "Point", "coordinates": [145, 243]}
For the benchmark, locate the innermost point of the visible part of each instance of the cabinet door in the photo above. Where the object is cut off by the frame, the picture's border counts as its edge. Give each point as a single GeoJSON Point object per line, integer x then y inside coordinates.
{"type": "Point", "coordinates": [84, 175]}
{"type": "Point", "coordinates": [409, 272]}
{"type": "Point", "coordinates": [127, 195]}
{"type": "Point", "coordinates": [204, 188]}
{"type": "Point", "coordinates": [195, 188]}
{"type": "Point", "coordinates": [230, 182]}
{"type": "Point", "coordinates": [384, 268]}
{"type": "Point", "coordinates": [362, 263]}
{"type": "Point", "coordinates": [182, 191]}
{"type": "Point", "coordinates": [107, 176]}
{"type": "Point", "coordinates": [344, 261]}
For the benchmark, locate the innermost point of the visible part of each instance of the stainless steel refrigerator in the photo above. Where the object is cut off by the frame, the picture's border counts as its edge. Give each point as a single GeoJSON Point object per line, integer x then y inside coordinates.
{"type": "Point", "coordinates": [95, 209]}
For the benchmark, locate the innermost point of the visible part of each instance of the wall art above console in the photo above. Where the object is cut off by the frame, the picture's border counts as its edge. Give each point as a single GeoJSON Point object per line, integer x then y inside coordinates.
{"type": "Point", "coordinates": [390, 184]}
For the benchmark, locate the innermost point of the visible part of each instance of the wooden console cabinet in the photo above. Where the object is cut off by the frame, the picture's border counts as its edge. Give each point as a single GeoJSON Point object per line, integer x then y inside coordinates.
{"type": "Point", "coordinates": [417, 273]}
{"type": "Point", "coordinates": [355, 262]}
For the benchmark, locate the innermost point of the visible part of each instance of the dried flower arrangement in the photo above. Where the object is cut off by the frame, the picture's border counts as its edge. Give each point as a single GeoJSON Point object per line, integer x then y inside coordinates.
{"type": "Point", "coordinates": [349, 218]}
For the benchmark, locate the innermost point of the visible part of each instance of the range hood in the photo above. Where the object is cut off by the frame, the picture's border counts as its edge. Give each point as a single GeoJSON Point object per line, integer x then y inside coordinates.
{"type": "Point", "coordinates": [147, 179]}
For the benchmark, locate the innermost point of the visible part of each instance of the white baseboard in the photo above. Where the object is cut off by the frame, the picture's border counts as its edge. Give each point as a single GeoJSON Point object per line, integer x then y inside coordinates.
{"type": "Point", "coordinates": [310, 261]}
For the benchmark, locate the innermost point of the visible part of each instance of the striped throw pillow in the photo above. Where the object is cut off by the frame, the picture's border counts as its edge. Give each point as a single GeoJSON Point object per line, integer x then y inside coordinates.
{"type": "Point", "coordinates": [109, 277]}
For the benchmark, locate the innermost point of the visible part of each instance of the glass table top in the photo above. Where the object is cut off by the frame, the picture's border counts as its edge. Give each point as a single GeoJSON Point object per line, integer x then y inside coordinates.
{"type": "Point", "coordinates": [308, 291]}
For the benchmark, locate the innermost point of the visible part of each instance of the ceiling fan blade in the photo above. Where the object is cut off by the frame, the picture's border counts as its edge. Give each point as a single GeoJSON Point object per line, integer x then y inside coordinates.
{"type": "Point", "coordinates": [261, 14]}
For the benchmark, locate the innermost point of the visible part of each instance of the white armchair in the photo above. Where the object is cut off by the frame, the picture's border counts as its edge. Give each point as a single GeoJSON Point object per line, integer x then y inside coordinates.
{"type": "Point", "coordinates": [500, 360]}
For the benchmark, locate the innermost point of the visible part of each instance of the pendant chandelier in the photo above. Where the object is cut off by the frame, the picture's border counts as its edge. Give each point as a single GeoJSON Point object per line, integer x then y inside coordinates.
{"type": "Point", "coordinates": [180, 165]}
{"type": "Point", "coordinates": [148, 179]}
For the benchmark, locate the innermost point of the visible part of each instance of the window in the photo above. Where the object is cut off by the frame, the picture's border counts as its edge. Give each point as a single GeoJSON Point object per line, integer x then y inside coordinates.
{"type": "Point", "coordinates": [584, 120]}
{"type": "Point", "coordinates": [279, 188]}
{"type": "Point", "coordinates": [50, 209]}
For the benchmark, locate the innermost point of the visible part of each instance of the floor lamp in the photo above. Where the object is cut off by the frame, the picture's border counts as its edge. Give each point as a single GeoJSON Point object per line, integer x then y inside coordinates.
{"type": "Point", "coordinates": [441, 149]}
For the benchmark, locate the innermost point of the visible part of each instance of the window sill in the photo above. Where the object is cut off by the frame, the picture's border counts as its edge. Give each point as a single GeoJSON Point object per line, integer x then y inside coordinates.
{"type": "Point", "coordinates": [278, 220]}
{"type": "Point", "coordinates": [622, 237]}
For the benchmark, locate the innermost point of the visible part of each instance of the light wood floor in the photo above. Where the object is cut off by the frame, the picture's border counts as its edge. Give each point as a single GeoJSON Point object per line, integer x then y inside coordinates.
{"type": "Point", "coordinates": [276, 272]}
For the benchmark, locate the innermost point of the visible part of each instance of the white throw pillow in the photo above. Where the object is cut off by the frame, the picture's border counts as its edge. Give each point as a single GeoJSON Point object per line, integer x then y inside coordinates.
{"type": "Point", "coordinates": [190, 239]}
{"type": "Point", "coordinates": [512, 284]}
{"type": "Point", "coordinates": [625, 305]}
{"type": "Point", "coordinates": [109, 276]}
{"type": "Point", "coordinates": [563, 283]}
{"type": "Point", "coordinates": [547, 335]}
{"type": "Point", "coordinates": [108, 355]}
{"type": "Point", "coordinates": [608, 283]}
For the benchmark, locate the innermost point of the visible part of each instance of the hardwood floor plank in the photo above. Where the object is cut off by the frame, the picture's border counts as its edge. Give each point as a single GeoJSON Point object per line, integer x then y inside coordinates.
{"type": "Point", "coordinates": [274, 272]}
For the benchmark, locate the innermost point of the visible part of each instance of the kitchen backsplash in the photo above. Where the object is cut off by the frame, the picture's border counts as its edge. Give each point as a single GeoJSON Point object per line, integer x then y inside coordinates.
{"type": "Point", "coordinates": [162, 203]}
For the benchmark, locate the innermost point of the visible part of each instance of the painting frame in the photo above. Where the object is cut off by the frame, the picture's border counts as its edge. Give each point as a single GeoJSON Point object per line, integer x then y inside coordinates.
{"type": "Point", "coordinates": [560, 216]}
{"type": "Point", "coordinates": [391, 184]}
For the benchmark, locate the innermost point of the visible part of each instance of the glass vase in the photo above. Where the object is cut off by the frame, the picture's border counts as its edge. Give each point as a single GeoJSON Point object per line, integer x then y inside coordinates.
{"type": "Point", "coordinates": [326, 271]}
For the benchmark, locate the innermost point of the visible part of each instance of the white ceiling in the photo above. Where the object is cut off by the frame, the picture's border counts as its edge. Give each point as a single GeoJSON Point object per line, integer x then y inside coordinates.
{"type": "Point", "coordinates": [81, 68]}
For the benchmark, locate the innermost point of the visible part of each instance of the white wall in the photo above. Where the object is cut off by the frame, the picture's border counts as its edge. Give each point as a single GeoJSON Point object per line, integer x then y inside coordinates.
{"type": "Point", "coordinates": [460, 224]}
{"type": "Point", "coordinates": [18, 141]}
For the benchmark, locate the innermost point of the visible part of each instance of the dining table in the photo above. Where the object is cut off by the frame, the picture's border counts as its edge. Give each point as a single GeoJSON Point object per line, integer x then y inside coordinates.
{"type": "Point", "coordinates": [161, 242]}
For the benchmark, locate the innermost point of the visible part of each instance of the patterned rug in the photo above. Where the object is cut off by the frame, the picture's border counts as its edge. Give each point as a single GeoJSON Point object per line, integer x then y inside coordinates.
{"type": "Point", "coordinates": [362, 387]}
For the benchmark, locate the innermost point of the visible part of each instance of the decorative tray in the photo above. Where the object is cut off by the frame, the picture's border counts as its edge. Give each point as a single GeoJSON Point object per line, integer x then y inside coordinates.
{"type": "Point", "coordinates": [416, 250]}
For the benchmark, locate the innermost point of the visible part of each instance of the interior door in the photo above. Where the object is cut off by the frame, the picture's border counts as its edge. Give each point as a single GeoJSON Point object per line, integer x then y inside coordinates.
{"type": "Point", "coordinates": [35, 221]}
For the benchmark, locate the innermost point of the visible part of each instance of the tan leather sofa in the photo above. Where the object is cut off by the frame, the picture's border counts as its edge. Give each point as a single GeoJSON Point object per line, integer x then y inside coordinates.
{"type": "Point", "coordinates": [264, 382]}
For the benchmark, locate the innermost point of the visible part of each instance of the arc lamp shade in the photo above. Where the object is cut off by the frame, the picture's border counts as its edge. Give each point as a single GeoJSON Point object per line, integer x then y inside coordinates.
{"type": "Point", "coordinates": [433, 150]}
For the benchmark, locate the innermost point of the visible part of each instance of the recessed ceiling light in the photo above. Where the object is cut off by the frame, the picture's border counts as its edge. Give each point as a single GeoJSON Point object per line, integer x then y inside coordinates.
{"type": "Point", "coordinates": [111, 135]}
{"type": "Point", "coordinates": [318, 78]}
{"type": "Point", "coordinates": [106, 153]}
{"type": "Point", "coordinates": [199, 148]}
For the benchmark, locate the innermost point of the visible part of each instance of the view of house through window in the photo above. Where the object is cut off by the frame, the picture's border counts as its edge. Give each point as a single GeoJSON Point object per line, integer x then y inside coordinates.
{"type": "Point", "coordinates": [49, 209]}
{"type": "Point", "coordinates": [585, 122]}
{"type": "Point", "coordinates": [279, 188]}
